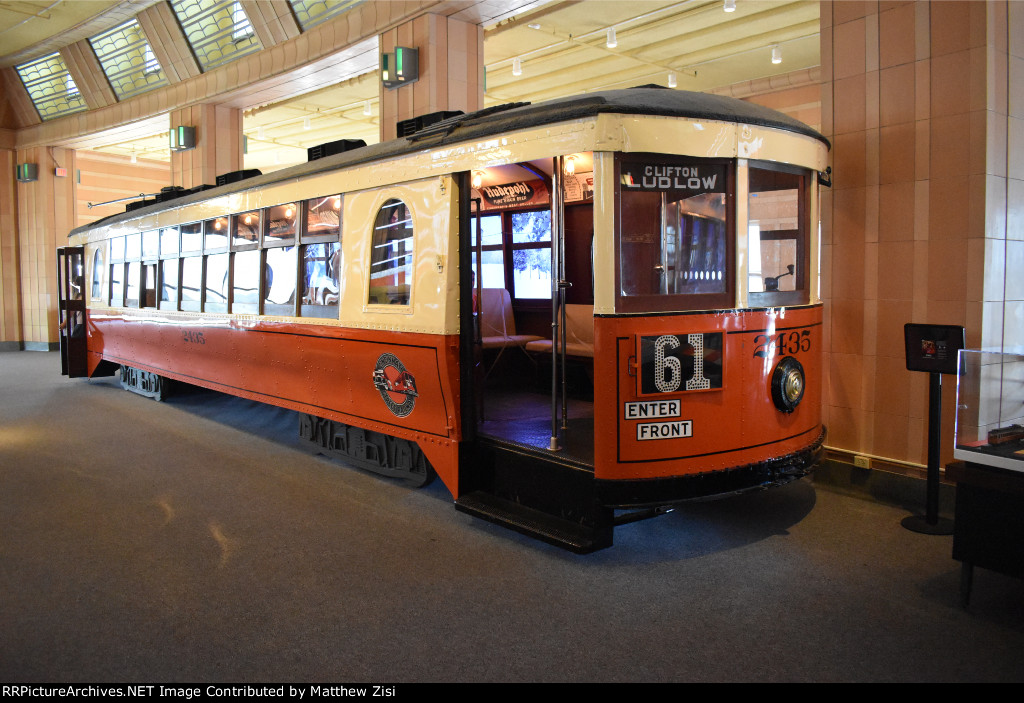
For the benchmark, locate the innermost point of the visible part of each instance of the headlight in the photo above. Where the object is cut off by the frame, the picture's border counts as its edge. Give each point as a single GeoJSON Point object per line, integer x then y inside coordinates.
{"type": "Point", "coordinates": [788, 384]}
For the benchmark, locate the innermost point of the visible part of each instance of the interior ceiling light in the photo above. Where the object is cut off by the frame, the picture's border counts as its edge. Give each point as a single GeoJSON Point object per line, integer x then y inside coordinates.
{"type": "Point", "coordinates": [612, 40]}
{"type": "Point", "coordinates": [260, 133]}
{"type": "Point", "coordinates": [671, 80]}
{"type": "Point", "coordinates": [305, 123]}
{"type": "Point", "coordinates": [776, 54]}
{"type": "Point", "coordinates": [517, 67]}
{"type": "Point", "coordinates": [730, 6]}
{"type": "Point", "coordinates": [534, 25]}
{"type": "Point", "coordinates": [366, 109]}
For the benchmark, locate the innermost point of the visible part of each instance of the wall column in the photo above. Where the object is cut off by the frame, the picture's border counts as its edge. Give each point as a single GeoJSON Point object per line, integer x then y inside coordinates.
{"type": "Point", "coordinates": [218, 144]}
{"type": "Point", "coordinates": [916, 98]}
{"type": "Point", "coordinates": [10, 277]}
{"type": "Point", "coordinates": [451, 70]}
{"type": "Point", "coordinates": [46, 215]}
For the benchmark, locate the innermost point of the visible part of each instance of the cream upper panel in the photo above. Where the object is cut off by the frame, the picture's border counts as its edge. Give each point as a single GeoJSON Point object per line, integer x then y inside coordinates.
{"type": "Point", "coordinates": [630, 133]}
{"type": "Point", "coordinates": [433, 305]}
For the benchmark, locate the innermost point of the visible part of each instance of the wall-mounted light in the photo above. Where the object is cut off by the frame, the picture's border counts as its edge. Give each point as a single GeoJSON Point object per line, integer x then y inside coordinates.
{"type": "Point", "coordinates": [26, 173]}
{"type": "Point", "coordinates": [671, 80]}
{"type": "Point", "coordinates": [730, 6]}
{"type": "Point", "coordinates": [400, 67]}
{"type": "Point", "coordinates": [478, 179]}
{"type": "Point", "coordinates": [612, 41]}
{"type": "Point", "coordinates": [570, 165]}
{"type": "Point", "coordinates": [182, 138]}
{"type": "Point", "coordinates": [776, 54]}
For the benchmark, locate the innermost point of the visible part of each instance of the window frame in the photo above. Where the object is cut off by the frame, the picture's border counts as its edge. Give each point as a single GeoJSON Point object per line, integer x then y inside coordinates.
{"type": "Point", "coordinates": [802, 294]}
{"type": "Point", "coordinates": [677, 302]}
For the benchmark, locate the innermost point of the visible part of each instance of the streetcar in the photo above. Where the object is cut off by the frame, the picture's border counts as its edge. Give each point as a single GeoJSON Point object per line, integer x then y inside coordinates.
{"type": "Point", "coordinates": [576, 313]}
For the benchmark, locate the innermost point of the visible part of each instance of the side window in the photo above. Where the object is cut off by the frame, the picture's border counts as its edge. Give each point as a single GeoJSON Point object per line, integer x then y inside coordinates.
{"type": "Point", "coordinates": [245, 290]}
{"type": "Point", "coordinates": [391, 258]}
{"type": "Point", "coordinates": [117, 272]}
{"type": "Point", "coordinates": [191, 283]}
{"type": "Point", "coordinates": [777, 237]}
{"type": "Point", "coordinates": [321, 279]}
{"type": "Point", "coordinates": [531, 254]}
{"type": "Point", "coordinates": [320, 273]}
{"type": "Point", "coordinates": [215, 283]}
{"type": "Point", "coordinates": [169, 284]}
{"type": "Point", "coordinates": [492, 252]}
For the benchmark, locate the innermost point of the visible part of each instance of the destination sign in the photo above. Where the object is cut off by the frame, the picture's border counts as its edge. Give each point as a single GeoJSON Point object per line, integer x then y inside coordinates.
{"type": "Point", "coordinates": [681, 181]}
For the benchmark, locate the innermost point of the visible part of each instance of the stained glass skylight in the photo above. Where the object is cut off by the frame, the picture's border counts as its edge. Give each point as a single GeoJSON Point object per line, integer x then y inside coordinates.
{"type": "Point", "coordinates": [218, 31]}
{"type": "Point", "coordinates": [51, 87]}
{"type": "Point", "coordinates": [128, 60]}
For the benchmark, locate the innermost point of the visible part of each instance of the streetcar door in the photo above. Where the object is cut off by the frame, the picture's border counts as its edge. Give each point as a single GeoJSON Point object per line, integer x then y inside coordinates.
{"type": "Point", "coordinates": [71, 311]}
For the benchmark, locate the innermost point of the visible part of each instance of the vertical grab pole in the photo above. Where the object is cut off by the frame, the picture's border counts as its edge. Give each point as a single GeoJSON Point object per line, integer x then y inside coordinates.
{"type": "Point", "coordinates": [556, 289]}
{"type": "Point", "coordinates": [563, 284]}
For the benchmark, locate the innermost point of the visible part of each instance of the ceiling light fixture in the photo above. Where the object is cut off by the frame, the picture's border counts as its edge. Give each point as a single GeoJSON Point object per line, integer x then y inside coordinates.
{"type": "Point", "coordinates": [612, 40]}
{"type": "Point", "coordinates": [305, 123]}
{"type": "Point", "coordinates": [478, 179]}
{"type": "Point", "coordinates": [534, 25]}
{"type": "Point", "coordinates": [671, 80]}
{"type": "Point", "coordinates": [366, 109]}
{"type": "Point", "coordinates": [260, 133]}
{"type": "Point", "coordinates": [517, 67]}
{"type": "Point", "coordinates": [730, 6]}
{"type": "Point", "coordinates": [776, 54]}
{"type": "Point", "coordinates": [570, 165]}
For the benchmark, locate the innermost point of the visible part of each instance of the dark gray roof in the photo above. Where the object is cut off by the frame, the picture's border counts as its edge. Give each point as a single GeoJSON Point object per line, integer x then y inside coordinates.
{"type": "Point", "coordinates": [645, 100]}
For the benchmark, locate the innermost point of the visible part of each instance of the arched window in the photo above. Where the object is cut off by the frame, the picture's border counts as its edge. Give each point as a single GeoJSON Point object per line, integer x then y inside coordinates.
{"type": "Point", "coordinates": [391, 258]}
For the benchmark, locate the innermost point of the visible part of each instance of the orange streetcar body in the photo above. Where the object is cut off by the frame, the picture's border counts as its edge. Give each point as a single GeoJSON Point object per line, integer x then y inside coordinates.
{"type": "Point", "coordinates": [663, 244]}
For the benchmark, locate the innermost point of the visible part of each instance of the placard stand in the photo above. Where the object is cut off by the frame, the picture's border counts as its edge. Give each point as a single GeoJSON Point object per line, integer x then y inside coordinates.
{"type": "Point", "coordinates": [933, 349]}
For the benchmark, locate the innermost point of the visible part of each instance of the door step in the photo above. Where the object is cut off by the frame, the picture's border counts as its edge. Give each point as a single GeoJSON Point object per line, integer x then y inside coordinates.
{"type": "Point", "coordinates": [581, 539]}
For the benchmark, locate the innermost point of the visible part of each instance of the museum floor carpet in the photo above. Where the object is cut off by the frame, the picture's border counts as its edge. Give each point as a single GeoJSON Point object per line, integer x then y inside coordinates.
{"type": "Point", "coordinates": [196, 540]}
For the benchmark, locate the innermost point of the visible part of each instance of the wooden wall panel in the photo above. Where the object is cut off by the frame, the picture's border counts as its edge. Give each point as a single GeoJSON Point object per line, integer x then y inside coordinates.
{"type": "Point", "coordinates": [85, 69]}
{"type": "Point", "coordinates": [451, 70]}
{"type": "Point", "coordinates": [46, 213]}
{"type": "Point", "coordinates": [234, 83]}
{"type": "Point", "coordinates": [16, 109]}
{"type": "Point", "coordinates": [272, 20]}
{"type": "Point", "coordinates": [101, 177]}
{"type": "Point", "coordinates": [10, 277]}
{"type": "Point", "coordinates": [168, 42]}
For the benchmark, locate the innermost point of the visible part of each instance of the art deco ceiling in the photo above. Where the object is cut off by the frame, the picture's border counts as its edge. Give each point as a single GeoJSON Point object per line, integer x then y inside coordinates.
{"type": "Point", "coordinates": [561, 47]}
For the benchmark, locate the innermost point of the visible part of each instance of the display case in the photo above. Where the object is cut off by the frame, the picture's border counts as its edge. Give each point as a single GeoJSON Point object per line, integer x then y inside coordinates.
{"type": "Point", "coordinates": [990, 409]}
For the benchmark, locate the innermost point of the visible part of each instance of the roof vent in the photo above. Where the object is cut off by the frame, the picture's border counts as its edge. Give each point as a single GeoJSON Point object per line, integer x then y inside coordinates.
{"type": "Point", "coordinates": [138, 204]}
{"type": "Point", "coordinates": [170, 193]}
{"type": "Point", "coordinates": [331, 148]}
{"type": "Point", "coordinates": [411, 126]}
{"type": "Point", "coordinates": [236, 176]}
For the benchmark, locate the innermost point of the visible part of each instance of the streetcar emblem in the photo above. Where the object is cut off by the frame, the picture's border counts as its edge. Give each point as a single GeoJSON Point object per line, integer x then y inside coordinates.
{"type": "Point", "coordinates": [396, 385]}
